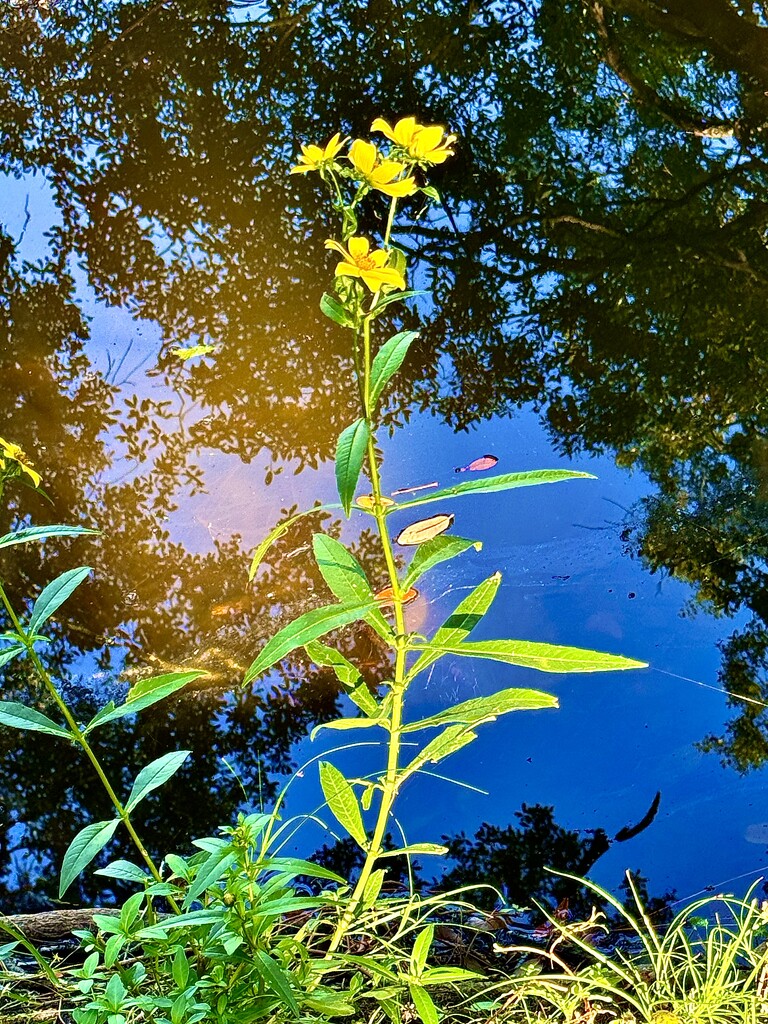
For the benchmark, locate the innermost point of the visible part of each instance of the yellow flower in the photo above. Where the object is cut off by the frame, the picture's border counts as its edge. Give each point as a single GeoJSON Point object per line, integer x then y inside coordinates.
{"type": "Point", "coordinates": [359, 261]}
{"type": "Point", "coordinates": [14, 454]}
{"type": "Point", "coordinates": [429, 145]}
{"type": "Point", "coordinates": [315, 158]}
{"type": "Point", "coordinates": [365, 159]}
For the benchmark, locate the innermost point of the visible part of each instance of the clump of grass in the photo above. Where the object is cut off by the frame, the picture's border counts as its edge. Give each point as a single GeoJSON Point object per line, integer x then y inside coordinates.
{"type": "Point", "coordinates": [709, 965]}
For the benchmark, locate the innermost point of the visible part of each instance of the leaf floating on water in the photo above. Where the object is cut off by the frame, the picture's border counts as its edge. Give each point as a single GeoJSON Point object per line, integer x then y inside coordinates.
{"type": "Point", "coordinates": [387, 595]}
{"type": "Point", "coordinates": [366, 501]}
{"type": "Point", "coordinates": [478, 465]}
{"type": "Point", "coordinates": [424, 530]}
{"type": "Point", "coordinates": [194, 350]}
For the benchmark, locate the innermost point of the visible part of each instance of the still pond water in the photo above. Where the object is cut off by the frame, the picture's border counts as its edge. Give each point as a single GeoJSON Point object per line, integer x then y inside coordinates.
{"type": "Point", "coordinates": [599, 280]}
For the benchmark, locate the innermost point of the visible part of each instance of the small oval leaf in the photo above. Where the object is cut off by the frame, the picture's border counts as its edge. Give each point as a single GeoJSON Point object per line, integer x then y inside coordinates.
{"type": "Point", "coordinates": [155, 774]}
{"type": "Point", "coordinates": [424, 530]}
{"type": "Point", "coordinates": [55, 594]}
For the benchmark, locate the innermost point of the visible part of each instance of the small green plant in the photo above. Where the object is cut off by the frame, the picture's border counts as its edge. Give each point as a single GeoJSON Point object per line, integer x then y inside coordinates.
{"type": "Point", "coordinates": [709, 965]}
{"type": "Point", "coordinates": [368, 279]}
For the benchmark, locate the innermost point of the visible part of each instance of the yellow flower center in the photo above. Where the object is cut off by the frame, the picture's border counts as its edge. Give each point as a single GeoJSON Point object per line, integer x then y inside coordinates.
{"type": "Point", "coordinates": [16, 453]}
{"type": "Point", "coordinates": [364, 262]}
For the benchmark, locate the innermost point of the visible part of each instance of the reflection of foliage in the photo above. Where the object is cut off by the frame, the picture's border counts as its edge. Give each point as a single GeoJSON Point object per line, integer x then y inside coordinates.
{"type": "Point", "coordinates": [601, 252]}
{"type": "Point", "coordinates": [514, 859]}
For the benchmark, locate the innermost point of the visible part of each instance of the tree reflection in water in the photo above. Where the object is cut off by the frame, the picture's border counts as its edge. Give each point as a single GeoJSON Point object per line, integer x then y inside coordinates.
{"type": "Point", "coordinates": [600, 253]}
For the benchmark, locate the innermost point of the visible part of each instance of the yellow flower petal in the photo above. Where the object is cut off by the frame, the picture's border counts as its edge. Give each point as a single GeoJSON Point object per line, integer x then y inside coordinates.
{"type": "Point", "coordinates": [312, 154]}
{"type": "Point", "coordinates": [386, 171]}
{"type": "Point", "coordinates": [380, 125]}
{"type": "Point", "coordinates": [301, 169]}
{"type": "Point", "coordinates": [359, 247]}
{"type": "Point", "coordinates": [363, 155]}
{"type": "Point", "coordinates": [330, 244]}
{"type": "Point", "coordinates": [345, 269]}
{"type": "Point", "coordinates": [406, 187]}
{"type": "Point", "coordinates": [405, 129]}
{"type": "Point", "coordinates": [379, 258]}
{"type": "Point", "coordinates": [426, 140]}
{"type": "Point", "coordinates": [333, 147]}
{"type": "Point", "coordinates": [35, 476]}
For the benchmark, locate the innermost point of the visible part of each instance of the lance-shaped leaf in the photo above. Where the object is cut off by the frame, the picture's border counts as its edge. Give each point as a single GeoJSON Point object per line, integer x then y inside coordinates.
{"type": "Point", "coordinates": [459, 624]}
{"type": "Point", "coordinates": [347, 724]}
{"type": "Point", "coordinates": [350, 453]}
{"type": "Point", "coordinates": [387, 362]}
{"type": "Point", "coordinates": [83, 848]}
{"type": "Point", "coordinates": [19, 716]}
{"type": "Point", "coordinates": [280, 530]}
{"type": "Point", "coordinates": [373, 888]}
{"type": "Point", "coordinates": [504, 482]}
{"type": "Point", "coordinates": [396, 297]}
{"type": "Point", "coordinates": [448, 742]}
{"type": "Point", "coordinates": [348, 675]}
{"type": "Point", "coordinates": [425, 1007]}
{"type": "Point", "coordinates": [421, 948]}
{"type": "Point", "coordinates": [210, 871]}
{"type": "Point", "coordinates": [437, 550]}
{"type": "Point", "coordinates": [425, 849]}
{"type": "Point", "coordinates": [31, 534]}
{"type": "Point", "coordinates": [486, 709]}
{"type": "Point", "coordinates": [143, 695]}
{"type": "Point", "coordinates": [301, 631]}
{"type": "Point", "coordinates": [278, 981]}
{"type": "Point", "coordinates": [125, 871]}
{"type": "Point", "coordinates": [155, 774]}
{"type": "Point", "coordinates": [54, 595]}
{"type": "Point", "coordinates": [9, 653]}
{"type": "Point", "coordinates": [347, 580]}
{"type": "Point", "coordinates": [544, 657]}
{"type": "Point", "coordinates": [342, 802]}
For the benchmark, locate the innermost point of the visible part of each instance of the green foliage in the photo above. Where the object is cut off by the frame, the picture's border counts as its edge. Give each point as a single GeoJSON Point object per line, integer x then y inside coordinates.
{"type": "Point", "coordinates": [350, 453]}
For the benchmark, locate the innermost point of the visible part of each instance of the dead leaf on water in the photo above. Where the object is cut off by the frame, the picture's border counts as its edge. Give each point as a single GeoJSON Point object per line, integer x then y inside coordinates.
{"type": "Point", "coordinates": [424, 530]}
{"type": "Point", "coordinates": [477, 465]}
{"type": "Point", "coordinates": [366, 501]}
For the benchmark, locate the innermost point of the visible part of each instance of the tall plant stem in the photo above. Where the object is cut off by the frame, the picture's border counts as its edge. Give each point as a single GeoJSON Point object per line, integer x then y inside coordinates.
{"type": "Point", "coordinates": [80, 738]}
{"type": "Point", "coordinates": [390, 780]}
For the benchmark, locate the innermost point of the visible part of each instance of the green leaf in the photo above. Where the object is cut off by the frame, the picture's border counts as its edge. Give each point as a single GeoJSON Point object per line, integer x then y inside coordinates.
{"type": "Point", "coordinates": [448, 742]}
{"type": "Point", "coordinates": [277, 980]}
{"type": "Point", "coordinates": [210, 871]}
{"type": "Point", "coordinates": [342, 802]}
{"type": "Point", "coordinates": [329, 1003]}
{"type": "Point", "coordinates": [347, 580]}
{"type": "Point", "coordinates": [54, 595]}
{"type": "Point", "coordinates": [437, 550]}
{"type": "Point", "coordinates": [373, 888]}
{"type": "Point", "coordinates": [301, 631]}
{"type": "Point", "coordinates": [409, 293]}
{"type": "Point", "coordinates": [459, 624]}
{"type": "Point", "coordinates": [432, 192]}
{"type": "Point", "coordinates": [180, 969]}
{"type": "Point", "coordinates": [335, 311]}
{"type": "Point", "coordinates": [348, 675]}
{"type": "Point", "coordinates": [544, 657]}
{"type": "Point", "coordinates": [37, 533]}
{"type": "Point", "coordinates": [487, 709]}
{"type": "Point", "coordinates": [19, 716]}
{"type": "Point", "coordinates": [387, 362]}
{"type": "Point", "coordinates": [155, 774]}
{"type": "Point", "coordinates": [425, 849]}
{"type": "Point", "coordinates": [505, 482]}
{"type": "Point", "coordinates": [9, 653]}
{"type": "Point", "coordinates": [293, 866]}
{"type": "Point", "coordinates": [425, 1008]}
{"type": "Point", "coordinates": [344, 724]}
{"type": "Point", "coordinates": [421, 948]}
{"type": "Point", "coordinates": [193, 920]}
{"type": "Point", "coordinates": [83, 848]}
{"type": "Point", "coordinates": [143, 695]}
{"type": "Point", "coordinates": [279, 531]}
{"type": "Point", "coordinates": [125, 871]}
{"type": "Point", "coordinates": [350, 453]}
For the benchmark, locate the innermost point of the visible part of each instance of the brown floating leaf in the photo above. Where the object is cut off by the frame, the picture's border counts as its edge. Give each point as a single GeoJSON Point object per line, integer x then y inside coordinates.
{"type": "Point", "coordinates": [484, 462]}
{"type": "Point", "coordinates": [424, 530]}
{"type": "Point", "coordinates": [366, 501]}
{"type": "Point", "coordinates": [387, 596]}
